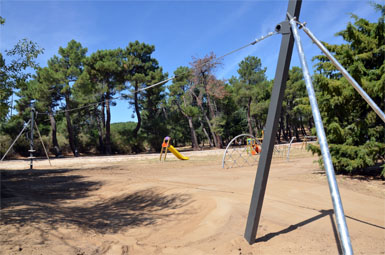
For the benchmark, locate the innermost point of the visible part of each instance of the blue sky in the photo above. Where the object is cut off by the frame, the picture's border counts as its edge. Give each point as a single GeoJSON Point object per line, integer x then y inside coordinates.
{"type": "Point", "coordinates": [178, 29]}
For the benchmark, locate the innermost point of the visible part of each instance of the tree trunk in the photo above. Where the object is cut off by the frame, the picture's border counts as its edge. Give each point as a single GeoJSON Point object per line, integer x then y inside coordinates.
{"type": "Point", "coordinates": [103, 113]}
{"type": "Point", "coordinates": [199, 102]}
{"type": "Point", "coordinates": [282, 127]}
{"type": "Point", "coordinates": [136, 130]}
{"type": "Point", "coordinates": [288, 127]}
{"type": "Point", "coordinates": [194, 139]}
{"type": "Point", "coordinates": [296, 132]}
{"type": "Point", "coordinates": [207, 134]}
{"type": "Point", "coordinates": [280, 130]}
{"type": "Point", "coordinates": [55, 144]}
{"type": "Point", "coordinates": [71, 137]}
{"type": "Point", "coordinates": [249, 117]}
{"type": "Point", "coordinates": [217, 138]}
{"type": "Point", "coordinates": [310, 124]}
{"type": "Point", "coordinates": [302, 127]}
{"type": "Point", "coordinates": [211, 129]}
{"type": "Point", "coordinates": [100, 131]}
{"type": "Point", "coordinates": [108, 125]}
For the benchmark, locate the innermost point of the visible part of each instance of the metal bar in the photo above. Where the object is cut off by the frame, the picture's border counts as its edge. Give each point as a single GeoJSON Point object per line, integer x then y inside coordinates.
{"type": "Point", "coordinates": [10, 147]}
{"type": "Point", "coordinates": [166, 149]}
{"type": "Point", "coordinates": [41, 140]}
{"type": "Point", "coordinates": [334, 192]}
{"type": "Point", "coordinates": [31, 150]}
{"type": "Point", "coordinates": [280, 79]}
{"type": "Point", "coordinates": [345, 73]}
{"type": "Point", "coordinates": [229, 144]}
{"type": "Point", "coordinates": [288, 150]}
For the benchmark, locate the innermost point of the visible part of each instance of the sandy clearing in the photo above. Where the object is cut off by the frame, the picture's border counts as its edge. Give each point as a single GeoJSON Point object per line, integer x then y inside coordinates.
{"type": "Point", "coordinates": [138, 205]}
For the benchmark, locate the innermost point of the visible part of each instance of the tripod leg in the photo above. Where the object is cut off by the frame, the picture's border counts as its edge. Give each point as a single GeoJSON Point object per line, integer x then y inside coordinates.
{"type": "Point", "coordinates": [10, 147]}
{"type": "Point", "coordinates": [41, 140]}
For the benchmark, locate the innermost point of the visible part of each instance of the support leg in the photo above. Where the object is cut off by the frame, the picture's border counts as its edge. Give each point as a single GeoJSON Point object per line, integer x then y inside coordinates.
{"type": "Point", "coordinates": [327, 159]}
{"type": "Point", "coordinates": [272, 124]}
{"type": "Point", "coordinates": [10, 147]}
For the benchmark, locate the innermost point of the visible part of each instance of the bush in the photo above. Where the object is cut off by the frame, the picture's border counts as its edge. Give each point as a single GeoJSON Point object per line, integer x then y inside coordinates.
{"type": "Point", "coordinates": [365, 159]}
{"type": "Point", "coordinates": [122, 139]}
{"type": "Point", "coordinates": [5, 142]}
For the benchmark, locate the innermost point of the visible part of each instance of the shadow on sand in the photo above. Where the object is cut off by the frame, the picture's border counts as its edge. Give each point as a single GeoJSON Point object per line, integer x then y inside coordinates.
{"type": "Point", "coordinates": [323, 213]}
{"type": "Point", "coordinates": [42, 196]}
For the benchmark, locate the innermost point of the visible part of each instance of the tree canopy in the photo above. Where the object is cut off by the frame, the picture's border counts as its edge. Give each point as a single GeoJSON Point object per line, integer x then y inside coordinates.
{"type": "Point", "coordinates": [76, 90]}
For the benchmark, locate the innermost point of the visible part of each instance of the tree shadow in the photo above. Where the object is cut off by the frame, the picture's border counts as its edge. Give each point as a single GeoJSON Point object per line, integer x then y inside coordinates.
{"type": "Point", "coordinates": [39, 197]}
{"type": "Point", "coordinates": [28, 187]}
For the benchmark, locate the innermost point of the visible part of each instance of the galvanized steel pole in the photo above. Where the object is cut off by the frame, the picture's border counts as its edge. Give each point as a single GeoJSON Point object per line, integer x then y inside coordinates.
{"type": "Point", "coordinates": [335, 194]}
{"type": "Point", "coordinates": [345, 73]}
{"type": "Point", "coordinates": [31, 150]}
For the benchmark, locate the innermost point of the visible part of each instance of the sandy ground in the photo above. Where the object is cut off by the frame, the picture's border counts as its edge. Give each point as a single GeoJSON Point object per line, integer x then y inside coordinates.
{"type": "Point", "coordinates": [138, 205]}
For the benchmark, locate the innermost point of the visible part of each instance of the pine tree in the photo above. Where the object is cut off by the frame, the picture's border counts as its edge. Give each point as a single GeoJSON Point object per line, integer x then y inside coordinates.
{"type": "Point", "coordinates": [207, 89]}
{"type": "Point", "coordinates": [69, 67]}
{"type": "Point", "coordinates": [46, 89]}
{"type": "Point", "coordinates": [140, 69]}
{"type": "Point", "coordinates": [181, 97]}
{"type": "Point", "coordinates": [355, 133]}
{"type": "Point", "coordinates": [102, 76]}
{"type": "Point", "coordinates": [248, 87]}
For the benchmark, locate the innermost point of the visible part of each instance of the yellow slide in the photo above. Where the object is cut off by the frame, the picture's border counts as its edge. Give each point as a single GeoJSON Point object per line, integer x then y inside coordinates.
{"type": "Point", "coordinates": [177, 153]}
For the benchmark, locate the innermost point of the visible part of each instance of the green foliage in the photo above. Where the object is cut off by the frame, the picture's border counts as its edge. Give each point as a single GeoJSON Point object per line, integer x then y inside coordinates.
{"type": "Point", "coordinates": [296, 110]}
{"type": "Point", "coordinates": [6, 90]}
{"type": "Point", "coordinates": [355, 134]}
{"type": "Point", "coordinates": [251, 92]}
{"type": "Point", "coordinates": [153, 119]}
{"type": "Point", "coordinates": [183, 100]}
{"type": "Point", "coordinates": [5, 142]}
{"type": "Point", "coordinates": [74, 95]}
{"type": "Point", "coordinates": [142, 70]}
{"type": "Point", "coordinates": [122, 138]}
{"type": "Point", "coordinates": [103, 78]}
{"type": "Point", "coordinates": [15, 74]}
{"type": "Point", "coordinates": [9, 132]}
{"type": "Point", "coordinates": [351, 159]}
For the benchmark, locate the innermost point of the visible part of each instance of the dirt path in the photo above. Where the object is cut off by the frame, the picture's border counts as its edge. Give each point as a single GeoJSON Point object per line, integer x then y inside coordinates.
{"type": "Point", "coordinates": [137, 205]}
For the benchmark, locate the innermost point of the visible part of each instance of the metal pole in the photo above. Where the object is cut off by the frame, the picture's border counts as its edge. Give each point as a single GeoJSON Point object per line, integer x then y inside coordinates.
{"type": "Point", "coordinates": [273, 115]}
{"type": "Point", "coordinates": [10, 147]}
{"type": "Point", "coordinates": [31, 150]}
{"type": "Point", "coordinates": [335, 194]}
{"type": "Point", "coordinates": [42, 143]}
{"type": "Point", "coordinates": [345, 73]}
{"type": "Point", "coordinates": [288, 150]}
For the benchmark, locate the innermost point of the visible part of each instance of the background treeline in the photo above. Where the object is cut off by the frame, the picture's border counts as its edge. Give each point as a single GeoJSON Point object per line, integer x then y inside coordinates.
{"type": "Point", "coordinates": [75, 91]}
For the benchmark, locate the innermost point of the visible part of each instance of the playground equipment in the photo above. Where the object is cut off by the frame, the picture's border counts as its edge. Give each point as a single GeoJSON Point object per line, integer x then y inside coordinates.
{"type": "Point", "coordinates": [167, 146]}
{"type": "Point", "coordinates": [260, 139]}
{"type": "Point", "coordinates": [244, 150]}
{"type": "Point", "coordinates": [238, 152]}
{"type": "Point", "coordinates": [252, 147]}
{"type": "Point", "coordinates": [31, 124]}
